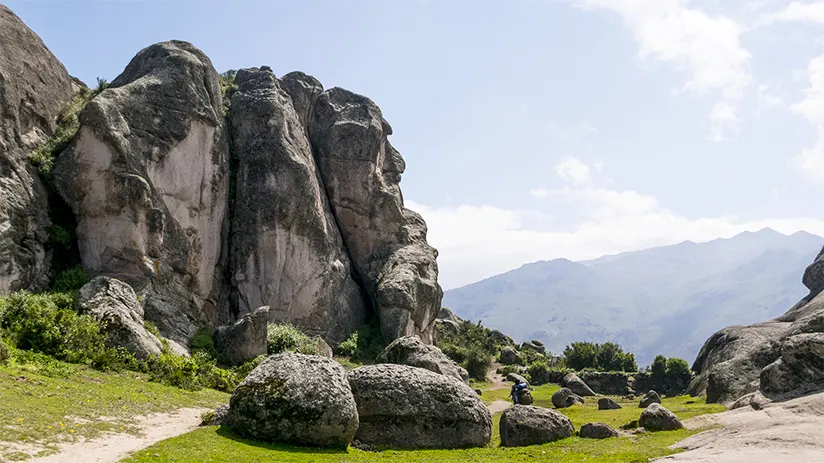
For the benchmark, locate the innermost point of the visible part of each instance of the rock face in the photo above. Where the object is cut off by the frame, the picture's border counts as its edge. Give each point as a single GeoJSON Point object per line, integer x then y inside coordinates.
{"type": "Point", "coordinates": [407, 407]}
{"type": "Point", "coordinates": [649, 398]}
{"type": "Point", "coordinates": [34, 87]}
{"type": "Point", "coordinates": [597, 431]}
{"type": "Point", "coordinates": [526, 425]}
{"type": "Point", "coordinates": [563, 398]}
{"type": "Point", "coordinates": [115, 303]}
{"type": "Point", "coordinates": [577, 385]}
{"type": "Point", "coordinates": [147, 178]}
{"type": "Point", "coordinates": [245, 339]}
{"type": "Point", "coordinates": [611, 383]}
{"type": "Point", "coordinates": [410, 350]}
{"type": "Point", "coordinates": [296, 399]}
{"type": "Point", "coordinates": [658, 418]}
{"type": "Point", "coordinates": [287, 252]}
{"type": "Point", "coordinates": [780, 358]}
{"type": "Point", "coordinates": [605, 403]}
{"type": "Point", "coordinates": [386, 241]}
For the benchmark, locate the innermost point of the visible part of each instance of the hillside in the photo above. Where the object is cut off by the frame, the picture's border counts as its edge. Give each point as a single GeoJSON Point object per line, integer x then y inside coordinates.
{"type": "Point", "coordinates": [664, 300]}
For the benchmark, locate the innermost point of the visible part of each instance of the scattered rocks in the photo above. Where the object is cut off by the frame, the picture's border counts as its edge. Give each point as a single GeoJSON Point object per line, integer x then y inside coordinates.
{"type": "Point", "coordinates": [509, 356]}
{"type": "Point", "coordinates": [526, 425]}
{"type": "Point", "coordinates": [649, 398]}
{"type": "Point", "coordinates": [245, 339]}
{"type": "Point", "coordinates": [296, 399]}
{"type": "Point", "coordinates": [410, 350]}
{"type": "Point", "coordinates": [577, 385]}
{"type": "Point", "coordinates": [405, 407]}
{"type": "Point", "coordinates": [658, 418]}
{"type": "Point", "coordinates": [605, 403]}
{"type": "Point", "coordinates": [597, 431]}
{"type": "Point", "coordinates": [564, 398]}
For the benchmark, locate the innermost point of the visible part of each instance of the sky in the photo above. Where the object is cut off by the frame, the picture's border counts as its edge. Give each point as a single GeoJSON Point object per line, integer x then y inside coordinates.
{"type": "Point", "coordinates": [533, 129]}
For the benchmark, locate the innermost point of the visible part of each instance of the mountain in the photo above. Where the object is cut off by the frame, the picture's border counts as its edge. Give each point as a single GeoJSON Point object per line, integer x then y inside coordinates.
{"type": "Point", "coordinates": [664, 300]}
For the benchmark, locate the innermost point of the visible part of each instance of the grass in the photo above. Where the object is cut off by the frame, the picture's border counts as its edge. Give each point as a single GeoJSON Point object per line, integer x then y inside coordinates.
{"type": "Point", "coordinates": [213, 444]}
{"type": "Point", "coordinates": [44, 405]}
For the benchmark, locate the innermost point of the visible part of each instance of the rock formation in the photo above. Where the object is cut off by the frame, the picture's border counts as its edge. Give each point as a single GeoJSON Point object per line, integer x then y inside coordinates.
{"type": "Point", "coordinates": [605, 403]}
{"type": "Point", "coordinates": [649, 398]}
{"type": "Point", "coordinates": [781, 358]}
{"type": "Point", "coordinates": [410, 350]}
{"type": "Point", "coordinates": [526, 425]}
{"type": "Point", "coordinates": [563, 398]}
{"type": "Point", "coordinates": [34, 87]}
{"type": "Point", "coordinates": [577, 385]}
{"type": "Point", "coordinates": [245, 339]}
{"type": "Point", "coordinates": [597, 431]}
{"type": "Point", "coordinates": [658, 418]}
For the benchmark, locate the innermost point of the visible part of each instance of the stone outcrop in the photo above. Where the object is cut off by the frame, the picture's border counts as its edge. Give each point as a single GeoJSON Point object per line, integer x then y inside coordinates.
{"type": "Point", "coordinates": [658, 418]}
{"type": "Point", "coordinates": [245, 339]}
{"type": "Point", "coordinates": [649, 398]}
{"type": "Point", "coordinates": [386, 241]}
{"type": "Point", "coordinates": [563, 398]}
{"type": "Point", "coordinates": [509, 356]}
{"type": "Point", "coordinates": [407, 407]}
{"type": "Point", "coordinates": [610, 383]}
{"type": "Point", "coordinates": [597, 431]}
{"type": "Point", "coordinates": [147, 178]}
{"type": "Point", "coordinates": [577, 385]}
{"type": "Point", "coordinates": [410, 350]}
{"type": "Point", "coordinates": [34, 88]}
{"type": "Point", "coordinates": [780, 358]}
{"type": "Point", "coordinates": [286, 250]}
{"type": "Point", "coordinates": [115, 304]}
{"type": "Point", "coordinates": [527, 425]}
{"type": "Point", "coordinates": [605, 403]}
{"type": "Point", "coordinates": [296, 399]}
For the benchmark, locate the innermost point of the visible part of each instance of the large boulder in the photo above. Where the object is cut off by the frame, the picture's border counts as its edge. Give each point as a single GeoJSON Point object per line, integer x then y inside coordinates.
{"type": "Point", "coordinates": [410, 350]}
{"type": "Point", "coordinates": [400, 406]}
{"type": "Point", "coordinates": [799, 370]}
{"type": "Point", "coordinates": [649, 398]}
{"type": "Point", "coordinates": [813, 277]}
{"type": "Point", "coordinates": [115, 304]}
{"type": "Point", "coordinates": [509, 356]}
{"type": "Point", "coordinates": [597, 431]}
{"type": "Point", "coordinates": [296, 399]}
{"type": "Point", "coordinates": [563, 398]}
{"type": "Point", "coordinates": [527, 425]}
{"type": "Point", "coordinates": [147, 178]}
{"type": "Point", "coordinates": [386, 241]}
{"type": "Point", "coordinates": [245, 339]}
{"type": "Point", "coordinates": [286, 250]}
{"type": "Point", "coordinates": [515, 377]}
{"type": "Point", "coordinates": [605, 403]}
{"type": "Point", "coordinates": [658, 418]}
{"type": "Point", "coordinates": [34, 87]}
{"type": "Point", "coordinates": [577, 385]}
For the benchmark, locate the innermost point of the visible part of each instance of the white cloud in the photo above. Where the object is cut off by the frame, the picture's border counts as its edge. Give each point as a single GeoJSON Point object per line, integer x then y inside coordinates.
{"type": "Point", "coordinates": [706, 47]}
{"type": "Point", "coordinates": [811, 160]}
{"type": "Point", "coordinates": [539, 192]}
{"type": "Point", "coordinates": [796, 11]}
{"type": "Point", "coordinates": [476, 242]}
{"type": "Point", "coordinates": [573, 171]}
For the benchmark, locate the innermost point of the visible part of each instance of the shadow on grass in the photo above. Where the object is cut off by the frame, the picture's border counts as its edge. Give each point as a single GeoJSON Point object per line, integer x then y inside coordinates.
{"type": "Point", "coordinates": [227, 433]}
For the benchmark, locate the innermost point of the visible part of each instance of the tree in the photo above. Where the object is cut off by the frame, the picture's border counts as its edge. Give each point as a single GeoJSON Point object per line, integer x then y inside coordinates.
{"type": "Point", "coordinates": [659, 369]}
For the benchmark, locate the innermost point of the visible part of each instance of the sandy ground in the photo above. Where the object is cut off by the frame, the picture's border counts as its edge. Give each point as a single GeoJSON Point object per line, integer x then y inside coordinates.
{"type": "Point", "coordinates": [788, 432]}
{"type": "Point", "coordinates": [498, 406]}
{"type": "Point", "coordinates": [112, 448]}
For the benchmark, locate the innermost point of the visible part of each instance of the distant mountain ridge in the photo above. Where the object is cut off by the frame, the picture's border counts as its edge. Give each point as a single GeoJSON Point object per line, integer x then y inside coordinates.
{"type": "Point", "coordinates": [664, 300]}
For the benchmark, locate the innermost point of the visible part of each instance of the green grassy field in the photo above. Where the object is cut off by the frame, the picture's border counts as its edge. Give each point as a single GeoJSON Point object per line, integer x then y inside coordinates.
{"type": "Point", "coordinates": [42, 405]}
{"type": "Point", "coordinates": [212, 444]}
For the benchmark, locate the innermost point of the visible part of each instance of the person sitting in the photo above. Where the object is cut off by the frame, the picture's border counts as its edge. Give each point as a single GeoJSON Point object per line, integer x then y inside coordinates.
{"type": "Point", "coordinates": [517, 389]}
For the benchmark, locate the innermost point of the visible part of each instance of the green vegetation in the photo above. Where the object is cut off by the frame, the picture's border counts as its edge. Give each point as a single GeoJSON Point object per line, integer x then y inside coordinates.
{"type": "Point", "coordinates": [203, 341]}
{"type": "Point", "coordinates": [669, 376]}
{"type": "Point", "coordinates": [363, 345]}
{"type": "Point", "coordinates": [473, 346]}
{"type": "Point", "coordinates": [68, 123]}
{"type": "Point", "coordinates": [47, 402]}
{"type": "Point", "coordinates": [602, 357]}
{"type": "Point", "coordinates": [220, 445]}
{"type": "Point", "coordinates": [70, 279]}
{"type": "Point", "coordinates": [227, 88]}
{"type": "Point", "coordinates": [285, 337]}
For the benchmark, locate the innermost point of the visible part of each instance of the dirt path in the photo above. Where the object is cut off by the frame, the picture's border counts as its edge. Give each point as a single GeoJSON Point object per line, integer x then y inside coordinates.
{"type": "Point", "coordinates": [498, 406]}
{"type": "Point", "coordinates": [112, 448]}
{"type": "Point", "coordinates": [791, 431]}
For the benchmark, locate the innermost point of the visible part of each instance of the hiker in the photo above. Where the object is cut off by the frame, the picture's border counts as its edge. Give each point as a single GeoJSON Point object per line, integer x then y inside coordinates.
{"type": "Point", "coordinates": [517, 388]}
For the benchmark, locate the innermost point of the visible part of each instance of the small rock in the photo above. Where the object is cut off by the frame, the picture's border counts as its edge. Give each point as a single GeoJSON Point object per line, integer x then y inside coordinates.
{"type": "Point", "coordinates": [322, 348]}
{"type": "Point", "coordinates": [564, 398]}
{"type": "Point", "coordinates": [526, 425]}
{"type": "Point", "coordinates": [605, 403]}
{"type": "Point", "coordinates": [649, 398]}
{"type": "Point", "coordinates": [597, 431]}
{"type": "Point", "coordinates": [658, 418]}
{"type": "Point", "coordinates": [515, 376]}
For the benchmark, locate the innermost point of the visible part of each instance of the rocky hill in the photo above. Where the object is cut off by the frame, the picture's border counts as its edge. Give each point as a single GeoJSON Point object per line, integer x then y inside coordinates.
{"type": "Point", "coordinates": [209, 195]}
{"type": "Point", "coordinates": [664, 300]}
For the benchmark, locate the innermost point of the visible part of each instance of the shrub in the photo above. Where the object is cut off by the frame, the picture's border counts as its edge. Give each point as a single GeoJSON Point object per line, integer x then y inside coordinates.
{"type": "Point", "coordinates": [285, 337]}
{"type": "Point", "coordinates": [477, 362]}
{"type": "Point", "coordinates": [540, 373]}
{"type": "Point", "coordinates": [71, 280]}
{"type": "Point", "coordinates": [59, 236]}
{"type": "Point", "coordinates": [192, 373]}
{"type": "Point", "coordinates": [68, 124]}
{"type": "Point", "coordinates": [203, 341]}
{"type": "Point", "coordinates": [658, 368]}
{"type": "Point", "coordinates": [473, 347]}
{"type": "Point", "coordinates": [602, 357]}
{"type": "Point", "coordinates": [102, 84]}
{"type": "Point", "coordinates": [5, 352]}
{"type": "Point", "coordinates": [152, 328]}
{"type": "Point", "coordinates": [242, 371]}
{"type": "Point", "coordinates": [364, 344]}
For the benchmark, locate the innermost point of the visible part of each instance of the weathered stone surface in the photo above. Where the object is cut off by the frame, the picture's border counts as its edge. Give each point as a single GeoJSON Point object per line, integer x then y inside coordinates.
{"type": "Point", "coordinates": [322, 348]}
{"type": "Point", "coordinates": [296, 399]}
{"type": "Point", "coordinates": [605, 403]}
{"type": "Point", "coordinates": [814, 274]}
{"type": "Point", "coordinates": [407, 407]}
{"type": "Point", "coordinates": [649, 398]}
{"type": "Point", "coordinates": [799, 370]}
{"type": "Point", "coordinates": [597, 431]}
{"type": "Point", "coordinates": [386, 241]}
{"type": "Point", "coordinates": [217, 418]}
{"type": "Point", "coordinates": [526, 425]}
{"type": "Point", "coordinates": [410, 350]}
{"type": "Point", "coordinates": [34, 87]}
{"type": "Point", "coordinates": [509, 356]}
{"type": "Point", "coordinates": [577, 385]}
{"type": "Point", "coordinates": [658, 418]}
{"type": "Point", "coordinates": [147, 178]}
{"type": "Point", "coordinates": [512, 377]}
{"type": "Point", "coordinates": [611, 383]}
{"type": "Point", "coordinates": [536, 346]}
{"type": "Point", "coordinates": [115, 303]}
{"type": "Point", "coordinates": [304, 90]}
{"type": "Point", "coordinates": [287, 252]}
{"type": "Point", "coordinates": [245, 339]}
{"type": "Point", "coordinates": [563, 398]}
